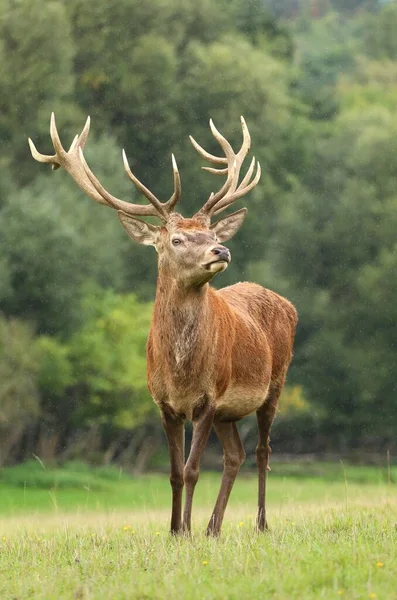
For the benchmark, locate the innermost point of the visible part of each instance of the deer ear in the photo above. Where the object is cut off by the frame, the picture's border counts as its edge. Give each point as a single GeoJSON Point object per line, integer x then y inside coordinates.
{"type": "Point", "coordinates": [141, 232]}
{"type": "Point", "coordinates": [226, 228]}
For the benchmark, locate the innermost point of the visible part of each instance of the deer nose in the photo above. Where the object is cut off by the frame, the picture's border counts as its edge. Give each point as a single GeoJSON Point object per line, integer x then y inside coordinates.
{"type": "Point", "coordinates": [222, 253]}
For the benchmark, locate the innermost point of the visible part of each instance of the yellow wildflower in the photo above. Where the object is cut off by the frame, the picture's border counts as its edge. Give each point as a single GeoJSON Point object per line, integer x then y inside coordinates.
{"type": "Point", "coordinates": [372, 595]}
{"type": "Point", "coordinates": [205, 562]}
{"type": "Point", "coordinates": [341, 592]}
{"type": "Point", "coordinates": [380, 564]}
{"type": "Point", "coordinates": [241, 524]}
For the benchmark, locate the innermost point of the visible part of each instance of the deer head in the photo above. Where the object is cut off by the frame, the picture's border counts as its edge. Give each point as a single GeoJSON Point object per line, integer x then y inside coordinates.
{"type": "Point", "coordinates": [190, 249]}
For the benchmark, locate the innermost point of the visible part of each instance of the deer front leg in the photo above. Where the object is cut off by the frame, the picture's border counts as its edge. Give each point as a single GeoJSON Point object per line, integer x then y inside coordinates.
{"type": "Point", "coordinates": [233, 458]}
{"type": "Point", "coordinates": [203, 418]}
{"type": "Point", "coordinates": [175, 432]}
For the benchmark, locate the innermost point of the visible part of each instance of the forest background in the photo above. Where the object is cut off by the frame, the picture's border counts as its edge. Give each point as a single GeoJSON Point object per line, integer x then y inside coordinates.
{"type": "Point", "coordinates": [317, 84]}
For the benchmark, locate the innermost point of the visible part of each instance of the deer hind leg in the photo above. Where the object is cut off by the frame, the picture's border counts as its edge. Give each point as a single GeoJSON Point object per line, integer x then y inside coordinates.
{"type": "Point", "coordinates": [203, 418]}
{"type": "Point", "coordinates": [175, 432]}
{"type": "Point", "coordinates": [265, 416]}
{"type": "Point", "coordinates": [233, 458]}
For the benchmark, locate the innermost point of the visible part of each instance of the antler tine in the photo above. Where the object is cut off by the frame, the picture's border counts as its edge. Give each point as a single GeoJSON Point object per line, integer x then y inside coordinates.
{"type": "Point", "coordinates": [142, 188]}
{"type": "Point", "coordinates": [74, 143]}
{"type": "Point", "coordinates": [47, 158]}
{"type": "Point", "coordinates": [230, 155]}
{"type": "Point", "coordinates": [215, 197]}
{"type": "Point", "coordinates": [220, 160]}
{"type": "Point", "coordinates": [248, 174]}
{"type": "Point", "coordinates": [239, 193]}
{"type": "Point", "coordinates": [225, 145]}
{"type": "Point", "coordinates": [216, 171]}
{"type": "Point", "coordinates": [246, 145]}
{"type": "Point", "coordinates": [233, 163]}
{"type": "Point", "coordinates": [56, 142]}
{"type": "Point", "coordinates": [74, 163]}
{"type": "Point", "coordinates": [69, 160]}
{"type": "Point", "coordinates": [84, 134]}
{"type": "Point", "coordinates": [43, 158]}
{"type": "Point", "coordinates": [231, 190]}
{"type": "Point", "coordinates": [231, 170]}
{"type": "Point", "coordinates": [127, 207]}
{"type": "Point", "coordinates": [163, 208]}
{"type": "Point", "coordinates": [177, 186]}
{"type": "Point", "coordinates": [82, 138]}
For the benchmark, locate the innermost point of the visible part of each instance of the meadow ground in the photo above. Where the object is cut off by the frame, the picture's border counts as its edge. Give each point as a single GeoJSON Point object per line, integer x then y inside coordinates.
{"type": "Point", "coordinates": [81, 534]}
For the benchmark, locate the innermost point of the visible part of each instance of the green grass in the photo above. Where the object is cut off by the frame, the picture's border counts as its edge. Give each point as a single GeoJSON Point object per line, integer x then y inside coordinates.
{"type": "Point", "coordinates": [33, 488]}
{"type": "Point", "coordinates": [78, 533]}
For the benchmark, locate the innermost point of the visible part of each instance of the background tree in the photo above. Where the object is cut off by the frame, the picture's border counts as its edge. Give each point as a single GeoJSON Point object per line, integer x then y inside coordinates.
{"type": "Point", "coordinates": [19, 397]}
{"type": "Point", "coordinates": [36, 54]}
{"type": "Point", "coordinates": [316, 82]}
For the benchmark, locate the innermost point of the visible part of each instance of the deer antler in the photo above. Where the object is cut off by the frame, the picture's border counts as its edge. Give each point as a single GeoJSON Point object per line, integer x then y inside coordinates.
{"type": "Point", "coordinates": [231, 189]}
{"type": "Point", "coordinates": [74, 163]}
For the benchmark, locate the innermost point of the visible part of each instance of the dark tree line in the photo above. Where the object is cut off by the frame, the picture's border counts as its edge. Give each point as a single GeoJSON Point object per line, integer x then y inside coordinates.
{"type": "Point", "coordinates": [319, 92]}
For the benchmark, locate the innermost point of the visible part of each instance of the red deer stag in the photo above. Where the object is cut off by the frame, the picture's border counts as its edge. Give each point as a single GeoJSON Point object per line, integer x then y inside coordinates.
{"type": "Point", "coordinates": [213, 356]}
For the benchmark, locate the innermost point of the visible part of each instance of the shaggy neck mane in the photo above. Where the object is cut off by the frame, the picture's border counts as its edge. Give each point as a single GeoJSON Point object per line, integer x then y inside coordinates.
{"type": "Point", "coordinates": [181, 316]}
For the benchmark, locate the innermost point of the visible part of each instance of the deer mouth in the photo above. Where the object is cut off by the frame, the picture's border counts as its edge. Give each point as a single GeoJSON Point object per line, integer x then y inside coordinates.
{"type": "Point", "coordinates": [223, 262]}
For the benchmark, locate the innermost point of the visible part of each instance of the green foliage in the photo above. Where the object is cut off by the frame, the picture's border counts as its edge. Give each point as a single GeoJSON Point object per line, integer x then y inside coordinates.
{"type": "Point", "coordinates": [36, 54]}
{"type": "Point", "coordinates": [18, 368]}
{"type": "Point", "coordinates": [379, 39]}
{"type": "Point", "coordinates": [315, 9]}
{"type": "Point", "coordinates": [374, 83]}
{"type": "Point", "coordinates": [136, 86]}
{"type": "Point", "coordinates": [325, 49]}
{"type": "Point", "coordinates": [318, 91]}
{"type": "Point", "coordinates": [52, 243]}
{"type": "Point", "coordinates": [45, 283]}
{"type": "Point", "coordinates": [98, 375]}
{"type": "Point", "coordinates": [329, 247]}
{"type": "Point", "coordinates": [108, 360]}
{"type": "Point", "coordinates": [55, 374]}
{"type": "Point", "coordinates": [262, 29]}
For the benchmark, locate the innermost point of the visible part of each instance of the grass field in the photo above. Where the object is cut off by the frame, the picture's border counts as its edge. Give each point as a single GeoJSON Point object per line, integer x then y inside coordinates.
{"type": "Point", "coordinates": [76, 533]}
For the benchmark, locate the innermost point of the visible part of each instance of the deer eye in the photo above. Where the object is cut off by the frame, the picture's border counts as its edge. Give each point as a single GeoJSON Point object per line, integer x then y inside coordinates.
{"type": "Point", "coordinates": [176, 242]}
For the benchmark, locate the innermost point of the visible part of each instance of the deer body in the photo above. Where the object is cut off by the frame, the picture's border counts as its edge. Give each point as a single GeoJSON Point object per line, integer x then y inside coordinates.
{"type": "Point", "coordinates": [227, 345]}
{"type": "Point", "coordinates": [213, 357]}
